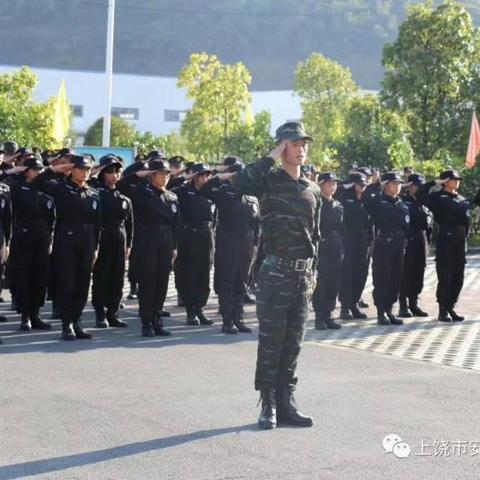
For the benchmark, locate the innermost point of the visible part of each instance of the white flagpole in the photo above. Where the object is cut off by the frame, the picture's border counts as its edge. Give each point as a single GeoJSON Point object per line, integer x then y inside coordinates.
{"type": "Point", "coordinates": [107, 118]}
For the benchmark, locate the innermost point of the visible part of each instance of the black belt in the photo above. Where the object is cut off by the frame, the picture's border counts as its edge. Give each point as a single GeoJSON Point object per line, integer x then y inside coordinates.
{"type": "Point", "coordinates": [290, 265]}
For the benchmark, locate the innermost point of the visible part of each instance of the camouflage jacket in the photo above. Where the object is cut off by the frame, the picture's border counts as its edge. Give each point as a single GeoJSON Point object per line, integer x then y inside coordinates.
{"type": "Point", "coordinates": [289, 209]}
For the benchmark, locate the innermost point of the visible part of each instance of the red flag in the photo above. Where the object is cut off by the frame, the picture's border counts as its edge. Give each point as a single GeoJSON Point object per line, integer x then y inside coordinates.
{"type": "Point", "coordinates": [473, 143]}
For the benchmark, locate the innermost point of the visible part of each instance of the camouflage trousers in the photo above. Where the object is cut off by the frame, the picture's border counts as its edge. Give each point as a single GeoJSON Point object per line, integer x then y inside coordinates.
{"type": "Point", "coordinates": [283, 299]}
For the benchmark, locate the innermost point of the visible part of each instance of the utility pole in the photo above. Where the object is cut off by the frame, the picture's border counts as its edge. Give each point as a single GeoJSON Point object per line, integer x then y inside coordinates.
{"type": "Point", "coordinates": [107, 117]}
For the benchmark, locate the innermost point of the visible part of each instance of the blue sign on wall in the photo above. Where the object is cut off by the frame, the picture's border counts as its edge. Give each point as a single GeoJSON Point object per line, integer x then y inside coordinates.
{"type": "Point", "coordinates": [128, 154]}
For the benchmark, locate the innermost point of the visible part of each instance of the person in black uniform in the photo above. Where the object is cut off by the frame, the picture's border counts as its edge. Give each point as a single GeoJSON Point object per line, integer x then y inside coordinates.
{"type": "Point", "coordinates": [195, 245]}
{"type": "Point", "coordinates": [5, 230]}
{"type": "Point", "coordinates": [452, 213]}
{"type": "Point", "coordinates": [76, 240]}
{"type": "Point", "coordinates": [34, 218]}
{"type": "Point", "coordinates": [415, 260]}
{"type": "Point", "coordinates": [156, 225]}
{"type": "Point", "coordinates": [115, 244]}
{"type": "Point", "coordinates": [357, 234]}
{"type": "Point", "coordinates": [236, 235]}
{"type": "Point", "coordinates": [391, 219]}
{"type": "Point", "coordinates": [330, 253]}
{"type": "Point", "coordinates": [177, 177]}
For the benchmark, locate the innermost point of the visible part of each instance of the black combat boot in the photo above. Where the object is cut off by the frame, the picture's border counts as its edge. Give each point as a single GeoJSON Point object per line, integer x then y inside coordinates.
{"type": "Point", "coordinates": [331, 324]}
{"type": "Point", "coordinates": [147, 330]}
{"type": "Point", "coordinates": [203, 319]}
{"type": "Point", "coordinates": [455, 316]}
{"type": "Point", "coordinates": [403, 311]}
{"type": "Point", "coordinates": [67, 330]}
{"type": "Point", "coordinates": [393, 319]}
{"type": "Point", "coordinates": [158, 329]}
{"type": "Point", "coordinates": [114, 321]}
{"type": "Point", "coordinates": [132, 295]}
{"type": "Point", "coordinates": [228, 326]}
{"type": "Point", "coordinates": [382, 319]}
{"type": "Point", "coordinates": [443, 315]}
{"type": "Point", "coordinates": [25, 325]}
{"type": "Point", "coordinates": [362, 304]}
{"type": "Point", "coordinates": [345, 313]}
{"type": "Point", "coordinates": [320, 321]}
{"type": "Point", "coordinates": [415, 309]}
{"type": "Point", "coordinates": [100, 320]}
{"type": "Point", "coordinates": [268, 414]}
{"type": "Point", "coordinates": [38, 323]}
{"type": "Point", "coordinates": [287, 411]}
{"type": "Point", "coordinates": [356, 313]}
{"type": "Point", "coordinates": [239, 323]}
{"type": "Point", "coordinates": [79, 331]}
{"type": "Point", "coordinates": [249, 299]}
{"type": "Point", "coordinates": [191, 317]}
{"type": "Point", "coordinates": [164, 313]}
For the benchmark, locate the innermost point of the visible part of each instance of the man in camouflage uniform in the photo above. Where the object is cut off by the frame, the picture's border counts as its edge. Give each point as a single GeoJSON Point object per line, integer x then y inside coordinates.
{"type": "Point", "coordinates": [290, 211]}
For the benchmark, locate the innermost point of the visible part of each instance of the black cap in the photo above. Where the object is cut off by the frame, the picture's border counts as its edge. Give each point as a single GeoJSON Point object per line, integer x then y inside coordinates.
{"type": "Point", "coordinates": [10, 147]}
{"type": "Point", "coordinates": [291, 131]}
{"type": "Point", "coordinates": [137, 166]}
{"type": "Point", "coordinates": [34, 163]}
{"type": "Point", "coordinates": [159, 166]}
{"type": "Point", "coordinates": [227, 161]}
{"type": "Point", "coordinates": [65, 152]}
{"type": "Point", "coordinates": [81, 161]}
{"type": "Point", "coordinates": [23, 152]}
{"type": "Point", "coordinates": [391, 177]}
{"type": "Point", "coordinates": [156, 155]}
{"type": "Point", "coordinates": [327, 177]}
{"type": "Point", "coordinates": [366, 171]}
{"type": "Point", "coordinates": [176, 161]}
{"type": "Point", "coordinates": [416, 179]}
{"type": "Point", "coordinates": [358, 178]}
{"type": "Point", "coordinates": [108, 161]}
{"type": "Point", "coordinates": [200, 169]}
{"type": "Point", "coordinates": [450, 175]}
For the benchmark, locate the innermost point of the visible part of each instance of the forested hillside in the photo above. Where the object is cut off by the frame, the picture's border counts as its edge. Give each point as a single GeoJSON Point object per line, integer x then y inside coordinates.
{"type": "Point", "coordinates": [155, 37]}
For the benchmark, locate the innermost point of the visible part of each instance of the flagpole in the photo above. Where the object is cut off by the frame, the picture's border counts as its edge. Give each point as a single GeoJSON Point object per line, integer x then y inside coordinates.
{"type": "Point", "coordinates": [107, 117]}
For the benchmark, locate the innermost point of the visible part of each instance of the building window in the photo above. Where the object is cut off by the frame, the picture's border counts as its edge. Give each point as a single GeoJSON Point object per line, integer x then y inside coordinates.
{"type": "Point", "coordinates": [175, 115]}
{"type": "Point", "coordinates": [126, 113]}
{"type": "Point", "coordinates": [77, 110]}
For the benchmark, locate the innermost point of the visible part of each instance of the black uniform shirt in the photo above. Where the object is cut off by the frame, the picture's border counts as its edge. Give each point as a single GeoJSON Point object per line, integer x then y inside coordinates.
{"type": "Point", "coordinates": [355, 215]}
{"type": "Point", "coordinates": [420, 216]}
{"type": "Point", "coordinates": [331, 218]}
{"type": "Point", "coordinates": [195, 209]}
{"type": "Point", "coordinates": [5, 212]}
{"type": "Point", "coordinates": [388, 214]}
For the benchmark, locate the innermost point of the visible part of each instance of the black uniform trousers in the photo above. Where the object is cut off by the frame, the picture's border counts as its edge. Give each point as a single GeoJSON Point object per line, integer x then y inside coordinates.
{"type": "Point", "coordinates": [356, 259]}
{"type": "Point", "coordinates": [132, 261]}
{"type": "Point", "coordinates": [192, 267]}
{"type": "Point", "coordinates": [74, 256]}
{"type": "Point", "coordinates": [450, 262]}
{"type": "Point", "coordinates": [153, 266]}
{"type": "Point", "coordinates": [283, 299]}
{"type": "Point", "coordinates": [388, 252]}
{"type": "Point", "coordinates": [29, 265]}
{"type": "Point", "coordinates": [329, 267]}
{"type": "Point", "coordinates": [109, 270]}
{"type": "Point", "coordinates": [414, 264]}
{"type": "Point", "coordinates": [234, 252]}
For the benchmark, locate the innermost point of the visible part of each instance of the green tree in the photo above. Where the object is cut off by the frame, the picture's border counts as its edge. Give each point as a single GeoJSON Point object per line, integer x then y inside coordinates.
{"type": "Point", "coordinates": [432, 75]}
{"type": "Point", "coordinates": [375, 136]}
{"type": "Point", "coordinates": [251, 142]}
{"type": "Point", "coordinates": [122, 133]}
{"type": "Point", "coordinates": [325, 89]}
{"type": "Point", "coordinates": [220, 99]}
{"type": "Point", "coordinates": [21, 118]}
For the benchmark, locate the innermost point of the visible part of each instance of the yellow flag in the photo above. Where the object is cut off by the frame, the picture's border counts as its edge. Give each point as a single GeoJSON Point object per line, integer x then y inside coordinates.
{"type": "Point", "coordinates": [61, 122]}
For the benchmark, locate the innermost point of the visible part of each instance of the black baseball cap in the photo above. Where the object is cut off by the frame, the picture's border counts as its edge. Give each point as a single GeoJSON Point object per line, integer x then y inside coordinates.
{"type": "Point", "coordinates": [34, 163]}
{"type": "Point", "coordinates": [200, 169]}
{"type": "Point", "coordinates": [415, 179]}
{"type": "Point", "coordinates": [450, 175]}
{"type": "Point", "coordinates": [358, 178]}
{"type": "Point", "coordinates": [81, 161]}
{"type": "Point", "coordinates": [159, 166]}
{"type": "Point", "coordinates": [327, 177]}
{"type": "Point", "coordinates": [391, 177]}
{"type": "Point", "coordinates": [176, 161]}
{"type": "Point", "coordinates": [156, 155]}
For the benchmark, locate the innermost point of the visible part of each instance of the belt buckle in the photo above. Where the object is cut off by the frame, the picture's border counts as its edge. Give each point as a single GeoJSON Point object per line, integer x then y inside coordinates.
{"type": "Point", "coordinates": [301, 265]}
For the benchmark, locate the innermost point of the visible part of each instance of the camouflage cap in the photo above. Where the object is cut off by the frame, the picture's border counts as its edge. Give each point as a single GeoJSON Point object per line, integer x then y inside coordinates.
{"type": "Point", "coordinates": [292, 131]}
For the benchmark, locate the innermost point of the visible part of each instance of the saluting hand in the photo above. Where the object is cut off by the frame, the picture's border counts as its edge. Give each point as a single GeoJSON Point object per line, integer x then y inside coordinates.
{"type": "Point", "coordinates": [225, 176]}
{"type": "Point", "coordinates": [15, 170]}
{"type": "Point", "coordinates": [62, 168]}
{"type": "Point", "coordinates": [143, 173]}
{"type": "Point", "coordinates": [276, 153]}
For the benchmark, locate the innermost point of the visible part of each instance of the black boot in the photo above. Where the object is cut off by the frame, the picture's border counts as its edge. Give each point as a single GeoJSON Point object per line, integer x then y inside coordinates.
{"type": "Point", "coordinates": [268, 414]}
{"type": "Point", "coordinates": [331, 323]}
{"type": "Point", "coordinates": [416, 310]}
{"type": "Point", "coordinates": [249, 299]}
{"type": "Point", "coordinates": [455, 316]}
{"type": "Point", "coordinates": [100, 320]}
{"type": "Point", "coordinates": [238, 322]}
{"type": "Point", "coordinates": [158, 329]}
{"type": "Point", "coordinates": [147, 330]}
{"type": "Point", "coordinates": [114, 321]}
{"type": "Point", "coordinates": [443, 315]}
{"type": "Point", "coordinates": [79, 331]}
{"type": "Point", "coordinates": [25, 325]}
{"type": "Point", "coordinates": [67, 331]}
{"type": "Point", "coordinates": [362, 304]}
{"type": "Point", "coordinates": [164, 313]}
{"type": "Point", "coordinates": [203, 319]}
{"type": "Point", "coordinates": [403, 311]}
{"type": "Point", "coordinates": [356, 313]}
{"type": "Point", "coordinates": [382, 319]}
{"type": "Point", "coordinates": [345, 313]}
{"type": "Point", "coordinates": [393, 319]}
{"type": "Point", "coordinates": [38, 323]}
{"type": "Point", "coordinates": [287, 411]}
{"type": "Point", "coordinates": [228, 325]}
{"type": "Point", "coordinates": [132, 295]}
{"type": "Point", "coordinates": [320, 323]}
{"type": "Point", "coordinates": [191, 317]}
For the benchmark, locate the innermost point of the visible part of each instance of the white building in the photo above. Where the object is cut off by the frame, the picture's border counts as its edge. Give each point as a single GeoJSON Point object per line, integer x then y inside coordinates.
{"type": "Point", "coordinates": [152, 104]}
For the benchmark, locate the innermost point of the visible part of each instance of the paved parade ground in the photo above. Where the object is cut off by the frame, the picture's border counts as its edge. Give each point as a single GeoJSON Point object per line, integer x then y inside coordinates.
{"type": "Point", "coordinates": [126, 407]}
